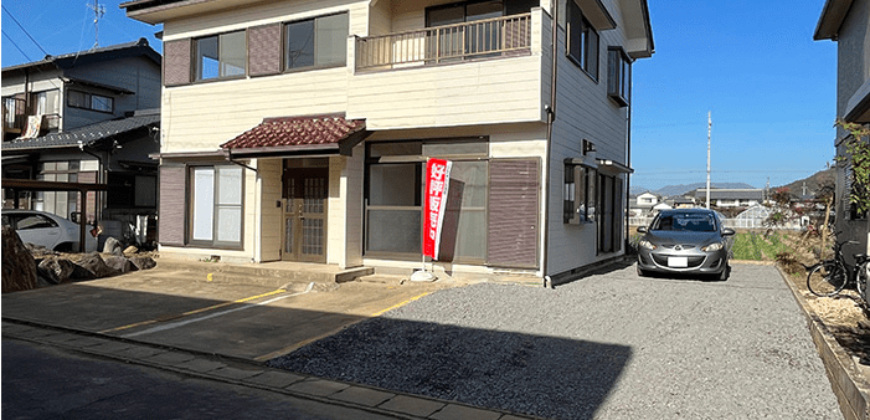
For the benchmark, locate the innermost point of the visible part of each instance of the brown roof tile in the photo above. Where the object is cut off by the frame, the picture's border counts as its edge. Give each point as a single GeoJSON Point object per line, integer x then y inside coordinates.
{"type": "Point", "coordinates": [295, 131]}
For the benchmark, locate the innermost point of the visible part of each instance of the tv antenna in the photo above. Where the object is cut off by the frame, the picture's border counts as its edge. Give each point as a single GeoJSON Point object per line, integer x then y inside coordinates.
{"type": "Point", "coordinates": [99, 11]}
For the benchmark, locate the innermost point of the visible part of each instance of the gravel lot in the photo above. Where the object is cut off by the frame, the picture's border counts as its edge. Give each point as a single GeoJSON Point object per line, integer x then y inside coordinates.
{"type": "Point", "coordinates": [609, 346]}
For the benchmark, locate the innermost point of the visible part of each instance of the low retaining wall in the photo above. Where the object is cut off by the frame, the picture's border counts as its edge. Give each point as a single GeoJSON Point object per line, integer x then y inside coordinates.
{"type": "Point", "coordinates": [849, 384]}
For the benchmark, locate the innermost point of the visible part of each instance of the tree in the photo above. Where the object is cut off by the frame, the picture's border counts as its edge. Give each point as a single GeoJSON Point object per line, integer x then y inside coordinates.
{"type": "Point", "coordinates": [782, 210]}
{"type": "Point", "coordinates": [857, 157]}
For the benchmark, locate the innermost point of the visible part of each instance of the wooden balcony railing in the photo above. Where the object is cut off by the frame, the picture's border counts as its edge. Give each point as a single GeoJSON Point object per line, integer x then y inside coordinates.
{"type": "Point", "coordinates": [504, 36]}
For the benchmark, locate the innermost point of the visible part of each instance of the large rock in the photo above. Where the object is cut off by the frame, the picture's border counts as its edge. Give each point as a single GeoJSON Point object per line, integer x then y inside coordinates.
{"type": "Point", "coordinates": [95, 265]}
{"type": "Point", "coordinates": [121, 264]}
{"type": "Point", "coordinates": [112, 246]}
{"type": "Point", "coordinates": [57, 270]}
{"type": "Point", "coordinates": [143, 263]}
{"type": "Point", "coordinates": [19, 268]}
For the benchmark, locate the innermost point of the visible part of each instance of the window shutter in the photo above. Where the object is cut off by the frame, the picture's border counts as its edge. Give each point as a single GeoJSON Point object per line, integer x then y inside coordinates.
{"type": "Point", "coordinates": [264, 50]}
{"type": "Point", "coordinates": [172, 206]}
{"type": "Point", "coordinates": [514, 205]}
{"type": "Point", "coordinates": [176, 62]}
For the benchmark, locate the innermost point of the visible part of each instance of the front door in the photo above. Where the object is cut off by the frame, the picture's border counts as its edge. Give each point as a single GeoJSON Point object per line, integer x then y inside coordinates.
{"type": "Point", "coordinates": [305, 193]}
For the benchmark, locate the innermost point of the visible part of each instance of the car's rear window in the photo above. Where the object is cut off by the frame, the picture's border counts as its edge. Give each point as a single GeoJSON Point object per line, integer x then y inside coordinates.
{"type": "Point", "coordinates": [685, 222]}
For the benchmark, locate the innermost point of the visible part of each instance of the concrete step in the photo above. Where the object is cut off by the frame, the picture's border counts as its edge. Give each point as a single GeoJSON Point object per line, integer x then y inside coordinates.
{"type": "Point", "coordinates": [268, 274]}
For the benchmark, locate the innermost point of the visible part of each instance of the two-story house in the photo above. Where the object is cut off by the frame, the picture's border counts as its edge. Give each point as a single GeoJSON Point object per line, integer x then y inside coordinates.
{"type": "Point", "coordinates": [299, 130]}
{"type": "Point", "coordinates": [89, 117]}
{"type": "Point", "coordinates": [846, 23]}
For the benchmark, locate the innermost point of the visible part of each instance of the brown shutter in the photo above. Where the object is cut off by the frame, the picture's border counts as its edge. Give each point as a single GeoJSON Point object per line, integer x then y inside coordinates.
{"type": "Point", "coordinates": [264, 50]}
{"type": "Point", "coordinates": [176, 62]}
{"type": "Point", "coordinates": [173, 199]}
{"type": "Point", "coordinates": [513, 226]}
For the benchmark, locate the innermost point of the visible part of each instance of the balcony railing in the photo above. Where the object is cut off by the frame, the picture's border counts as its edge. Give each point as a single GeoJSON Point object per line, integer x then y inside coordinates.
{"type": "Point", "coordinates": [504, 36]}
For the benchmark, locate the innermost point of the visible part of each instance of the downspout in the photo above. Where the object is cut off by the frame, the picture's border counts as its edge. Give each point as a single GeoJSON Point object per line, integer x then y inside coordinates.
{"type": "Point", "coordinates": [551, 118]}
{"type": "Point", "coordinates": [628, 175]}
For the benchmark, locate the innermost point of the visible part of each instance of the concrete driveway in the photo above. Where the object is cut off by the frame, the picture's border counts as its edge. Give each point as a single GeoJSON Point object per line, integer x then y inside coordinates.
{"type": "Point", "coordinates": [179, 309]}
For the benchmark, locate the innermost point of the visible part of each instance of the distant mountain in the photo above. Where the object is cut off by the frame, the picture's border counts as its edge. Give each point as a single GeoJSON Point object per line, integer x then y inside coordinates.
{"type": "Point", "coordinates": [812, 182]}
{"type": "Point", "coordinates": [672, 190]}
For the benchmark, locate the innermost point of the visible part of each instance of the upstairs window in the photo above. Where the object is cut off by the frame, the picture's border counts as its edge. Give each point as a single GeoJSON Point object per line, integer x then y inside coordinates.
{"type": "Point", "coordinates": [582, 41]}
{"type": "Point", "coordinates": [90, 101]}
{"type": "Point", "coordinates": [221, 56]}
{"type": "Point", "coordinates": [318, 42]}
{"type": "Point", "coordinates": [618, 76]}
{"type": "Point", "coordinates": [46, 102]}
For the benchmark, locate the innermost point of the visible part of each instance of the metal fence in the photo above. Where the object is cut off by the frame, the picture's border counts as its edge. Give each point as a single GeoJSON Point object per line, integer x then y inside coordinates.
{"type": "Point", "coordinates": [746, 223]}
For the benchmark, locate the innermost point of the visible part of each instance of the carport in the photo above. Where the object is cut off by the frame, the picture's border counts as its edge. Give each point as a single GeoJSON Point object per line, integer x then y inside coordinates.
{"type": "Point", "coordinates": [18, 185]}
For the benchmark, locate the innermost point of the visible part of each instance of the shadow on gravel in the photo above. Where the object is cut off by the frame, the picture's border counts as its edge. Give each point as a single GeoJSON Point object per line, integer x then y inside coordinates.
{"type": "Point", "coordinates": [543, 376]}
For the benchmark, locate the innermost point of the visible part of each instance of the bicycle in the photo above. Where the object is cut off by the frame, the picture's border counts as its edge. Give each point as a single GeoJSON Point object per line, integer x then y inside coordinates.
{"type": "Point", "coordinates": [829, 277]}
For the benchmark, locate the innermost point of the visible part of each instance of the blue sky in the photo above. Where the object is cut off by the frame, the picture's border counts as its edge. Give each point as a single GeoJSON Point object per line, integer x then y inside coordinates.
{"type": "Point", "coordinates": [753, 64]}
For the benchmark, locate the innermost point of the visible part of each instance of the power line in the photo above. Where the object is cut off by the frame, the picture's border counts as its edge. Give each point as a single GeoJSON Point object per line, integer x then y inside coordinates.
{"type": "Point", "coordinates": [24, 30]}
{"type": "Point", "coordinates": [16, 46]}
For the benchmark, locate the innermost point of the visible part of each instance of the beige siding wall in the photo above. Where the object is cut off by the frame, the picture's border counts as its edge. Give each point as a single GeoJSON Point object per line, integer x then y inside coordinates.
{"type": "Point", "coordinates": [203, 116]}
{"type": "Point", "coordinates": [584, 111]}
{"type": "Point", "coordinates": [271, 220]}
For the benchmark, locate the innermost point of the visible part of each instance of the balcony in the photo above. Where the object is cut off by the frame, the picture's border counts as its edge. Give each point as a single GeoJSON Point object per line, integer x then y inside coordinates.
{"type": "Point", "coordinates": [498, 37]}
{"type": "Point", "coordinates": [16, 116]}
{"type": "Point", "coordinates": [488, 71]}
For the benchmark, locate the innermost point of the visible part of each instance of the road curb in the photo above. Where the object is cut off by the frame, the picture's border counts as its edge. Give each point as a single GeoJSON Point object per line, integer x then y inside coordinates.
{"type": "Point", "coordinates": [853, 394]}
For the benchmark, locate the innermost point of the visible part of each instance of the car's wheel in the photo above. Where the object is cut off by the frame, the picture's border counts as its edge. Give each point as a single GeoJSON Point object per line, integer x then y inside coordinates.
{"type": "Point", "coordinates": [724, 274]}
{"type": "Point", "coordinates": [64, 247]}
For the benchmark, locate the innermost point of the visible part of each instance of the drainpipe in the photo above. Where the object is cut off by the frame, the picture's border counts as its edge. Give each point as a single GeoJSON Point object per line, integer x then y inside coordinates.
{"type": "Point", "coordinates": [551, 118]}
{"type": "Point", "coordinates": [628, 175]}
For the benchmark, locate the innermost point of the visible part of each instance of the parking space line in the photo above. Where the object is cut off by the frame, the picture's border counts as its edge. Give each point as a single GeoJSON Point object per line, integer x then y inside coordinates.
{"type": "Point", "coordinates": [214, 315]}
{"type": "Point", "coordinates": [303, 343]}
{"type": "Point", "coordinates": [399, 305]}
{"type": "Point", "coordinates": [193, 312]}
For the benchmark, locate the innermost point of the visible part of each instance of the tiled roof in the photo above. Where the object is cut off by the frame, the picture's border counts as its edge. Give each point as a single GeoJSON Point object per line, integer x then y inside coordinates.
{"type": "Point", "coordinates": [88, 134]}
{"type": "Point", "coordinates": [110, 52]}
{"type": "Point", "coordinates": [296, 131]}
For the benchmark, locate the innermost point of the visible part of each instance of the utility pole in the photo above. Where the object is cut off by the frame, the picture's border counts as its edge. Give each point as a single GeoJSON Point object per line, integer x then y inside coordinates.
{"type": "Point", "coordinates": [709, 132]}
{"type": "Point", "coordinates": [99, 11]}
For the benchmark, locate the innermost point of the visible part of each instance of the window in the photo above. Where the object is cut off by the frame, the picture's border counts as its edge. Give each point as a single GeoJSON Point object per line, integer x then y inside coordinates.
{"type": "Point", "coordinates": [618, 76]}
{"type": "Point", "coordinates": [394, 196]}
{"type": "Point", "coordinates": [90, 101]}
{"type": "Point", "coordinates": [579, 194]}
{"type": "Point", "coordinates": [216, 205]}
{"type": "Point", "coordinates": [318, 42]}
{"type": "Point", "coordinates": [221, 56]}
{"type": "Point", "coordinates": [478, 40]}
{"type": "Point", "coordinates": [61, 203]}
{"type": "Point", "coordinates": [582, 41]}
{"type": "Point", "coordinates": [44, 103]}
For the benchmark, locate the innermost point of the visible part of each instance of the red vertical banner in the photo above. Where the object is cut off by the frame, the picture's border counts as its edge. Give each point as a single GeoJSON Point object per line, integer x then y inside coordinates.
{"type": "Point", "coordinates": [435, 201]}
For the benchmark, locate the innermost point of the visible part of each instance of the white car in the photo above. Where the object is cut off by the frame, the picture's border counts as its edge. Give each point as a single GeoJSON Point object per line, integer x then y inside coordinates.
{"type": "Point", "coordinates": [48, 230]}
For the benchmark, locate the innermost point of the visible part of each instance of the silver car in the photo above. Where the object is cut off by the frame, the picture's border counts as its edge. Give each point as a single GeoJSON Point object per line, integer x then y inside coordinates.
{"type": "Point", "coordinates": [47, 230]}
{"type": "Point", "coordinates": [690, 241]}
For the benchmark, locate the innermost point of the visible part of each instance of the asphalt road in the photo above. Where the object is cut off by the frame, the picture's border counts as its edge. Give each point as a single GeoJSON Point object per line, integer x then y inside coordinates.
{"type": "Point", "coordinates": [42, 382]}
{"type": "Point", "coordinates": [610, 346]}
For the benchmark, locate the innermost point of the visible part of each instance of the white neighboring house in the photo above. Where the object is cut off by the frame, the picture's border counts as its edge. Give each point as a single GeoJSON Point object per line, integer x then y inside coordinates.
{"type": "Point", "coordinates": [299, 130]}
{"type": "Point", "coordinates": [648, 199]}
{"type": "Point", "coordinates": [732, 197]}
